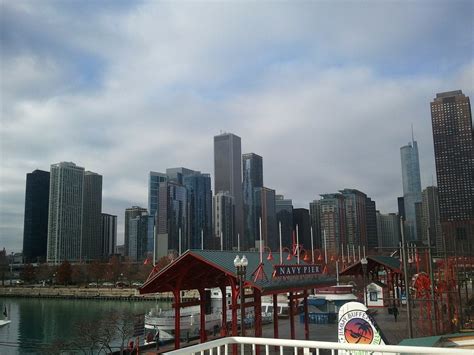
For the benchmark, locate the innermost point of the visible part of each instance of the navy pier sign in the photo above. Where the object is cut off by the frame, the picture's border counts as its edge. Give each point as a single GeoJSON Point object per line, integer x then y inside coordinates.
{"type": "Point", "coordinates": [296, 270]}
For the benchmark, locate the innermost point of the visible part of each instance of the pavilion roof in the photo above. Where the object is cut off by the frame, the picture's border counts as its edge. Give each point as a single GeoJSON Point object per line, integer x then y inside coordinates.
{"type": "Point", "coordinates": [374, 261]}
{"type": "Point", "coordinates": [211, 268]}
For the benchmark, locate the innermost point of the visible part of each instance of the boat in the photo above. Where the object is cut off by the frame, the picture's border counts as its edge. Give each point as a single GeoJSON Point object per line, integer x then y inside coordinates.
{"type": "Point", "coordinates": [5, 320]}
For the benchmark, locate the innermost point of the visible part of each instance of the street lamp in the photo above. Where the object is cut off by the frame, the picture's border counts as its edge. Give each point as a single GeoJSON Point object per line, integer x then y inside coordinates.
{"type": "Point", "coordinates": [364, 263]}
{"type": "Point", "coordinates": [241, 266]}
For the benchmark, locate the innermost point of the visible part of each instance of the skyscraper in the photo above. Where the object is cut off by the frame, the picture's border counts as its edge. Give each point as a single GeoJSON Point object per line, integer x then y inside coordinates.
{"type": "Point", "coordinates": [65, 212]}
{"type": "Point", "coordinates": [284, 216]}
{"type": "Point", "coordinates": [132, 213]}
{"type": "Point", "coordinates": [137, 237]}
{"type": "Point", "coordinates": [370, 213]}
{"type": "Point", "coordinates": [411, 187]}
{"type": "Point", "coordinates": [266, 211]}
{"type": "Point", "coordinates": [453, 139]}
{"type": "Point", "coordinates": [356, 217]}
{"type": "Point", "coordinates": [223, 219]}
{"type": "Point", "coordinates": [388, 230]}
{"type": "Point", "coordinates": [35, 231]}
{"type": "Point", "coordinates": [431, 225]}
{"type": "Point", "coordinates": [301, 220]}
{"type": "Point", "coordinates": [154, 180]}
{"type": "Point", "coordinates": [332, 215]}
{"type": "Point", "coordinates": [109, 235]}
{"type": "Point", "coordinates": [172, 219]}
{"type": "Point", "coordinates": [200, 209]}
{"type": "Point", "coordinates": [252, 167]}
{"type": "Point", "coordinates": [228, 174]}
{"type": "Point", "coordinates": [92, 219]}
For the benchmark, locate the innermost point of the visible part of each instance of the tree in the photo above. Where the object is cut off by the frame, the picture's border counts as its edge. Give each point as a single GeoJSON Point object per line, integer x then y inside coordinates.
{"type": "Point", "coordinates": [44, 272]}
{"type": "Point", "coordinates": [64, 273]}
{"type": "Point", "coordinates": [78, 275]}
{"type": "Point", "coordinates": [113, 269]}
{"type": "Point", "coordinates": [28, 274]}
{"type": "Point", "coordinates": [96, 271]}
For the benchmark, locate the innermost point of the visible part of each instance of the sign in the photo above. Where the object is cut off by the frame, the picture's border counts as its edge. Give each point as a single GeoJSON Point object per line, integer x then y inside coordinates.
{"type": "Point", "coordinates": [296, 270]}
{"type": "Point", "coordinates": [139, 325]}
{"type": "Point", "coordinates": [357, 327]}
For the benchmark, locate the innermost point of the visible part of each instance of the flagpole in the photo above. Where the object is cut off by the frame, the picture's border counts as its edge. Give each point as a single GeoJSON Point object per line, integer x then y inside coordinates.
{"type": "Point", "coordinates": [202, 239]}
{"type": "Point", "coordinates": [261, 251]}
{"type": "Point", "coordinates": [281, 247]}
{"type": "Point", "coordinates": [179, 231]}
{"type": "Point", "coordinates": [312, 246]}
{"type": "Point", "coordinates": [297, 244]}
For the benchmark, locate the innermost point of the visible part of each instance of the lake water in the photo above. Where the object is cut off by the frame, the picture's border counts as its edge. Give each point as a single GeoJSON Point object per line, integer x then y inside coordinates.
{"type": "Point", "coordinates": [39, 323]}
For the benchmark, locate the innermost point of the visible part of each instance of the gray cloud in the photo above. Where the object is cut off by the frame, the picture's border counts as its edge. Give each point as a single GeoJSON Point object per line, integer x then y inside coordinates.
{"type": "Point", "coordinates": [325, 92]}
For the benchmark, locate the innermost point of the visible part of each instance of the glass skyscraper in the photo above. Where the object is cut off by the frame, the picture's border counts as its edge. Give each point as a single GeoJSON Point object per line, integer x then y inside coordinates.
{"type": "Point", "coordinates": [35, 231]}
{"type": "Point", "coordinates": [284, 216]}
{"type": "Point", "coordinates": [92, 219]}
{"type": "Point", "coordinates": [266, 211]}
{"type": "Point", "coordinates": [252, 167]}
{"type": "Point", "coordinates": [411, 187]}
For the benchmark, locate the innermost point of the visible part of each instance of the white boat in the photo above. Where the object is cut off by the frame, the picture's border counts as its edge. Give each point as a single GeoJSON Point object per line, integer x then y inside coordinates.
{"type": "Point", "coordinates": [5, 321]}
{"type": "Point", "coordinates": [332, 298]}
{"type": "Point", "coordinates": [283, 310]}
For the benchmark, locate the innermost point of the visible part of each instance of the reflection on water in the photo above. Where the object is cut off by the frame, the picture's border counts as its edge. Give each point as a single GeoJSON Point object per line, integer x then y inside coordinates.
{"type": "Point", "coordinates": [38, 323]}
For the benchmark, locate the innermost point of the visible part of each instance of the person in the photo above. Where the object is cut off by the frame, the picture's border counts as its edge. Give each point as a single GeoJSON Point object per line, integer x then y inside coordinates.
{"type": "Point", "coordinates": [157, 339]}
{"type": "Point", "coordinates": [395, 312]}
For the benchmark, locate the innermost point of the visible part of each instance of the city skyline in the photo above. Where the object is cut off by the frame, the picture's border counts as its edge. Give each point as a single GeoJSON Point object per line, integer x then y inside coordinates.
{"type": "Point", "coordinates": [326, 103]}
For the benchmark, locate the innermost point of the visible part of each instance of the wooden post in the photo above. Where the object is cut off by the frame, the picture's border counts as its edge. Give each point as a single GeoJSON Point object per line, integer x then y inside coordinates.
{"type": "Point", "coordinates": [292, 319]}
{"type": "Point", "coordinates": [306, 315]}
{"type": "Point", "coordinates": [275, 318]}
{"type": "Point", "coordinates": [224, 311]}
{"type": "Point", "coordinates": [177, 318]}
{"type": "Point", "coordinates": [202, 304]}
{"type": "Point", "coordinates": [258, 316]}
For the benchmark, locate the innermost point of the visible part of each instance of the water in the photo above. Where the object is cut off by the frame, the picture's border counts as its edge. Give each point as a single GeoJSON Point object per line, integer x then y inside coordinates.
{"type": "Point", "coordinates": [38, 324]}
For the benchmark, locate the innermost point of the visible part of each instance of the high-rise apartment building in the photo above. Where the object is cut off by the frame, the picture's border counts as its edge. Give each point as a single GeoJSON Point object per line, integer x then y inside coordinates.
{"type": "Point", "coordinates": [371, 216]}
{"type": "Point", "coordinates": [411, 187]}
{"type": "Point", "coordinates": [388, 230]}
{"type": "Point", "coordinates": [228, 174]}
{"type": "Point", "coordinates": [109, 235]}
{"type": "Point", "coordinates": [92, 217]}
{"type": "Point", "coordinates": [431, 225]}
{"type": "Point", "coordinates": [284, 216]}
{"type": "Point", "coordinates": [266, 212]}
{"type": "Point", "coordinates": [453, 139]}
{"type": "Point", "coordinates": [35, 231]}
{"type": "Point", "coordinates": [331, 220]}
{"type": "Point", "coordinates": [137, 237]}
{"type": "Point", "coordinates": [302, 221]}
{"type": "Point", "coordinates": [172, 226]}
{"type": "Point", "coordinates": [223, 219]}
{"type": "Point", "coordinates": [132, 213]}
{"type": "Point", "coordinates": [154, 180]}
{"type": "Point", "coordinates": [252, 167]}
{"type": "Point", "coordinates": [200, 209]}
{"type": "Point", "coordinates": [65, 212]}
{"type": "Point", "coordinates": [356, 217]}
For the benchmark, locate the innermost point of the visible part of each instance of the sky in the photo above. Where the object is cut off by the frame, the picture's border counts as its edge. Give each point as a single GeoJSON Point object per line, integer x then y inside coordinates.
{"type": "Point", "coordinates": [325, 91]}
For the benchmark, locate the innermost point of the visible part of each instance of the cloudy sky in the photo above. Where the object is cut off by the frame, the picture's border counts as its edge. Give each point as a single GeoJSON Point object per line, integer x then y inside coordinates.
{"type": "Point", "coordinates": [325, 91]}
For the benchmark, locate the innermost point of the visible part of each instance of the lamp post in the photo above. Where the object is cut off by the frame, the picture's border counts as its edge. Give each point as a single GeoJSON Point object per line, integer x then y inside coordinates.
{"type": "Point", "coordinates": [241, 266]}
{"type": "Point", "coordinates": [364, 263]}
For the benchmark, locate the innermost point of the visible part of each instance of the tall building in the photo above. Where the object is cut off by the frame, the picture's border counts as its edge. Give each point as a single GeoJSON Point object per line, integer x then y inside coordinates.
{"type": "Point", "coordinates": [266, 212]}
{"type": "Point", "coordinates": [178, 174]}
{"type": "Point", "coordinates": [228, 174]}
{"type": "Point", "coordinates": [154, 180]}
{"type": "Point", "coordinates": [301, 219]}
{"type": "Point", "coordinates": [92, 218]}
{"type": "Point", "coordinates": [137, 237]}
{"type": "Point", "coordinates": [315, 219]}
{"type": "Point", "coordinates": [65, 212]}
{"type": "Point", "coordinates": [453, 139]}
{"type": "Point", "coordinates": [172, 219]}
{"type": "Point", "coordinates": [401, 207]}
{"type": "Point", "coordinates": [411, 187]}
{"type": "Point", "coordinates": [332, 216]}
{"type": "Point", "coordinates": [284, 216]}
{"type": "Point", "coordinates": [356, 217]}
{"type": "Point", "coordinates": [370, 212]}
{"type": "Point", "coordinates": [252, 167]}
{"type": "Point", "coordinates": [131, 213]}
{"type": "Point", "coordinates": [431, 225]}
{"type": "Point", "coordinates": [223, 219]}
{"type": "Point", "coordinates": [109, 235]}
{"type": "Point", "coordinates": [35, 231]}
{"type": "Point", "coordinates": [200, 209]}
{"type": "Point", "coordinates": [388, 230]}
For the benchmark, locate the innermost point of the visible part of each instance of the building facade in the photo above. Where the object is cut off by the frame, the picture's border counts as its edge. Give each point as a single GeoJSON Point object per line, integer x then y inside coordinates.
{"type": "Point", "coordinates": [137, 237]}
{"type": "Point", "coordinates": [154, 180]}
{"type": "Point", "coordinates": [92, 217]}
{"type": "Point", "coordinates": [431, 224]}
{"type": "Point", "coordinates": [388, 230]}
{"type": "Point", "coordinates": [355, 218]}
{"type": "Point", "coordinates": [331, 220]}
{"type": "Point", "coordinates": [411, 187]}
{"type": "Point", "coordinates": [252, 168]}
{"type": "Point", "coordinates": [228, 175]}
{"type": "Point", "coordinates": [109, 235]}
{"type": "Point", "coordinates": [35, 228]}
{"type": "Point", "coordinates": [131, 213]}
{"type": "Point", "coordinates": [302, 221]}
{"type": "Point", "coordinates": [370, 212]}
{"type": "Point", "coordinates": [65, 212]}
{"type": "Point", "coordinates": [265, 208]}
{"type": "Point", "coordinates": [223, 219]}
{"type": "Point", "coordinates": [284, 216]}
{"type": "Point", "coordinates": [453, 139]}
{"type": "Point", "coordinates": [200, 209]}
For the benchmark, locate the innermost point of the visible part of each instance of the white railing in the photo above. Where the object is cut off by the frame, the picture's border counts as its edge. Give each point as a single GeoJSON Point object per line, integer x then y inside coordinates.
{"type": "Point", "coordinates": [223, 346]}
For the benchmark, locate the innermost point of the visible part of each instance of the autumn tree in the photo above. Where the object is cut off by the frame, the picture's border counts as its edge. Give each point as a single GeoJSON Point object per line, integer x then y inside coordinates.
{"type": "Point", "coordinates": [64, 273]}
{"type": "Point", "coordinates": [44, 272]}
{"type": "Point", "coordinates": [96, 271]}
{"type": "Point", "coordinates": [28, 274]}
{"type": "Point", "coordinates": [113, 269]}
